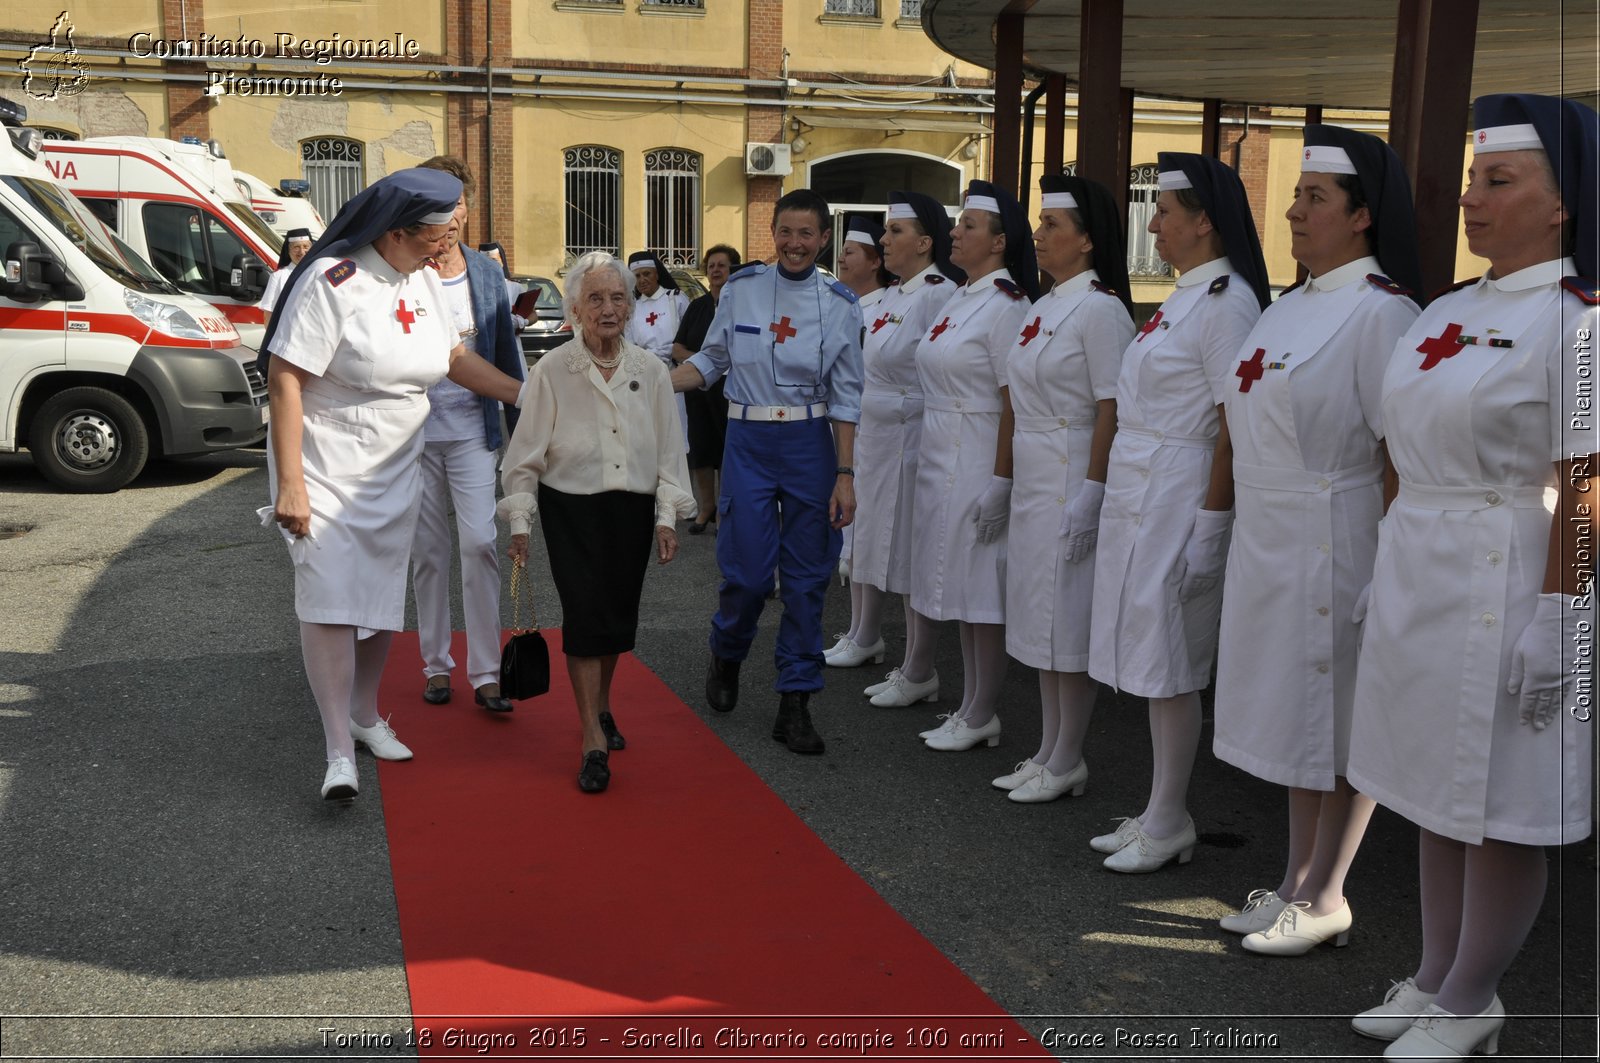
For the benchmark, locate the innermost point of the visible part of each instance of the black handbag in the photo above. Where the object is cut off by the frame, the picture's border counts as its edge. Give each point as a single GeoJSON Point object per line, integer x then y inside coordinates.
{"type": "Point", "coordinates": [525, 660]}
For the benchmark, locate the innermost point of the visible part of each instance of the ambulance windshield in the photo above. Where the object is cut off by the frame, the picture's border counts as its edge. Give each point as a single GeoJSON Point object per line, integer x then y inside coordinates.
{"type": "Point", "coordinates": [259, 229]}
{"type": "Point", "coordinates": [89, 234]}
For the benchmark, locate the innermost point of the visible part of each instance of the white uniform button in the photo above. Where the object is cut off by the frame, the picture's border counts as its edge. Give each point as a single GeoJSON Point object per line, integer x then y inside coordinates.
{"type": "Point", "coordinates": [949, 481]}
{"type": "Point", "coordinates": [1322, 668]}
{"type": "Point", "coordinates": [1323, 485]}
{"type": "Point", "coordinates": [1495, 557]}
{"type": "Point", "coordinates": [1062, 421]}
{"type": "Point", "coordinates": [1060, 501]}
{"type": "Point", "coordinates": [1160, 436]}
{"type": "Point", "coordinates": [1323, 547]}
{"type": "Point", "coordinates": [1488, 620]}
{"type": "Point", "coordinates": [1144, 474]}
{"type": "Point", "coordinates": [1322, 610]}
{"type": "Point", "coordinates": [1063, 461]}
{"type": "Point", "coordinates": [1137, 520]}
{"type": "Point", "coordinates": [1492, 497]}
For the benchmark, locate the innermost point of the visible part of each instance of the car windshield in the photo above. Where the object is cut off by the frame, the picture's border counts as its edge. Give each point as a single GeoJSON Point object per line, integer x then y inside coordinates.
{"type": "Point", "coordinates": [90, 235]}
{"type": "Point", "coordinates": [260, 232]}
{"type": "Point", "coordinates": [549, 294]}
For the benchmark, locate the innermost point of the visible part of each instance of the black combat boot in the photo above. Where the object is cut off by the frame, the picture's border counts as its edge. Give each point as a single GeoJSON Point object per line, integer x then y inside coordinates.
{"type": "Point", "coordinates": [722, 684]}
{"type": "Point", "coordinates": [793, 725]}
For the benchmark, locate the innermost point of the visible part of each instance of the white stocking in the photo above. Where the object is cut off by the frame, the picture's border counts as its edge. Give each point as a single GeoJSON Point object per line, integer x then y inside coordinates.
{"type": "Point", "coordinates": [371, 654]}
{"type": "Point", "coordinates": [329, 651]}
{"type": "Point", "coordinates": [1502, 891]}
{"type": "Point", "coordinates": [1178, 720]}
{"type": "Point", "coordinates": [866, 606]}
{"type": "Point", "coordinates": [987, 664]}
{"type": "Point", "coordinates": [1050, 717]}
{"type": "Point", "coordinates": [922, 638]}
{"type": "Point", "coordinates": [1075, 695]}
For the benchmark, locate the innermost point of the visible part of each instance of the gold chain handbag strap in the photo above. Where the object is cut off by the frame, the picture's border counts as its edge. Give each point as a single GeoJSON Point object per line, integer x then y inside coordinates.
{"type": "Point", "coordinates": [517, 585]}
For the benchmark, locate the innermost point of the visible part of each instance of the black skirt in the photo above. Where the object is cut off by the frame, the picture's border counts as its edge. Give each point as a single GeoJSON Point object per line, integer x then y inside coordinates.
{"type": "Point", "coordinates": [708, 426]}
{"type": "Point", "coordinates": [599, 547]}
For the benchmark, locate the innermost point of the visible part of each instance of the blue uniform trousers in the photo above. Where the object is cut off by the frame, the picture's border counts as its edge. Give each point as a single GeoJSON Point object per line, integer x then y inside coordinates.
{"type": "Point", "coordinates": [773, 513]}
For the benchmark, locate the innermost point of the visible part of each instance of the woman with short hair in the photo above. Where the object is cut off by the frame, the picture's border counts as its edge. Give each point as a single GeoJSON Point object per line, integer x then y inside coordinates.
{"type": "Point", "coordinates": [707, 409]}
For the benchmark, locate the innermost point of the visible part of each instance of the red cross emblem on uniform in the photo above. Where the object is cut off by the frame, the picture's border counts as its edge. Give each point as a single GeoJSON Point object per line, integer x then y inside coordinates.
{"type": "Point", "coordinates": [405, 317]}
{"type": "Point", "coordinates": [1149, 327]}
{"type": "Point", "coordinates": [940, 327]}
{"type": "Point", "coordinates": [780, 413]}
{"type": "Point", "coordinates": [882, 321]}
{"type": "Point", "coordinates": [1308, 153]}
{"type": "Point", "coordinates": [1030, 332]}
{"type": "Point", "coordinates": [1482, 136]}
{"type": "Point", "coordinates": [1438, 348]}
{"type": "Point", "coordinates": [650, 319]}
{"type": "Point", "coordinates": [1250, 371]}
{"type": "Point", "coordinates": [783, 330]}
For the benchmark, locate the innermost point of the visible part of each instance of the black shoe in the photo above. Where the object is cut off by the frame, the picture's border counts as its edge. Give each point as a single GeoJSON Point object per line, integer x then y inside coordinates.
{"type": "Point", "coordinates": [793, 725]}
{"type": "Point", "coordinates": [722, 684]}
{"type": "Point", "coordinates": [437, 693]}
{"type": "Point", "coordinates": [614, 739]}
{"type": "Point", "coordinates": [493, 702]}
{"type": "Point", "coordinates": [595, 775]}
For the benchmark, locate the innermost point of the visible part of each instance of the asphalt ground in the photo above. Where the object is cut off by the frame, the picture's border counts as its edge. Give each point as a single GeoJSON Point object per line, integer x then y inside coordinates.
{"type": "Point", "coordinates": [165, 859]}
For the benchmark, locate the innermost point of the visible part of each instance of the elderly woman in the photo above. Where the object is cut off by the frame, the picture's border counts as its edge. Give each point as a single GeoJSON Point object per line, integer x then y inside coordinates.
{"type": "Point", "coordinates": [963, 494]}
{"type": "Point", "coordinates": [1307, 466]}
{"type": "Point", "coordinates": [1062, 378]}
{"type": "Point", "coordinates": [362, 333]}
{"type": "Point", "coordinates": [1169, 492]}
{"type": "Point", "coordinates": [600, 457]}
{"type": "Point", "coordinates": [1471, 717]}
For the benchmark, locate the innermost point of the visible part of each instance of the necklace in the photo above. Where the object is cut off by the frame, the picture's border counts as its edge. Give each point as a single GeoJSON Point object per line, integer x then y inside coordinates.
{"type": "Point", "coordinates": [607, 364]}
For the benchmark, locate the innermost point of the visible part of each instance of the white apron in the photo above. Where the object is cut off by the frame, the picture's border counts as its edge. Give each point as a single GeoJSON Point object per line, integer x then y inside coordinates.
{"type": "Point", "coordinates": [1460, 564]}
{"type": "Point", "coordinates": [1064, 361]}
{"type": "Point", "coordinates": [1145, 640]}
{"type": "Point", "coordinates": [961, 362]}
{"type": "Point", "coordinates": [1308, 493]}
{"type": "Point", "coordinates": [654, 326]}
{"type": "Point", "coordinates": [890, 432]}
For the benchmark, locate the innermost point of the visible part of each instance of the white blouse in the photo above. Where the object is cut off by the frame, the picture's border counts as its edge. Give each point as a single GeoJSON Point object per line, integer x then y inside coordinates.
{"type": "Point", "coordinates": [582, 434]}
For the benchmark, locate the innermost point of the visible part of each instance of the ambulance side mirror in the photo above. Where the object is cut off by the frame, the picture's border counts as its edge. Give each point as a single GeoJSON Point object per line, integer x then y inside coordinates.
{"type": "Point", "coordinates": [247, 277]}
{"type": "Point", "coordinates": [32, 274]}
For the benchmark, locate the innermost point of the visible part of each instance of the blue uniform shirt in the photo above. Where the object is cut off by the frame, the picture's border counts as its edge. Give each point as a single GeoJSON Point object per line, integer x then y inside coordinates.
{"type": "Point", "coordinates": [786, 342]}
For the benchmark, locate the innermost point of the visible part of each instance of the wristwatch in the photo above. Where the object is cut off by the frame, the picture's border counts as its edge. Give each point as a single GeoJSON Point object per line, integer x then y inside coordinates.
{"type": "Point", "coordinates": [845, 470]}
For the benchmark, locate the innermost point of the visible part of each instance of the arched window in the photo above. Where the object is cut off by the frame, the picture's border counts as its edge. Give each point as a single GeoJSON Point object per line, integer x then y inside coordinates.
{"type": "Point", "coordinates": [52, 133]}
{"type": "Point", "coordinates": [672, 205]}
{"type": "Point", "coordinates": [336, 169]}
{"type": "Point", "coordinates": [593, 177]}
{"type": "Point", "coordinates": [1143, 191]}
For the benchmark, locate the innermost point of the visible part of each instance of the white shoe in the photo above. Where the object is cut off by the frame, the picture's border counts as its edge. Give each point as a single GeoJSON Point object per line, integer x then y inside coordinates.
{"type": "Point", "coordinates": [1400, 1008]}
{"type": "Point", "coordinates": [879, 688]}
{"type": "Point", "coordinates": [339, 784]}
{"type": "Point", "coordinates": [1019, 775]}
{"type": "Point", "coordinates": [848, 653]}
{"type": "Point", "coordinates": [1297, 931]}
{"type": "Point", "coordinates": [1259, 913]}
{"type": "Point", "coordinates": [947, 722]}
{"type": "Point", "coordinates": [1047, 785]}
{"type": "Point", "coordinates": [1146, 854]}
{"type": "Point", "coordinates": [381, 740]}
{"type": "Point", "coordinates": [1439, 1035]}
{"type": "Point", "coordinates": [903, 692]}
{"type": "Point", "coordinates": [1110, 843]}
{"type": "Point", "coordinates": [961, 737]}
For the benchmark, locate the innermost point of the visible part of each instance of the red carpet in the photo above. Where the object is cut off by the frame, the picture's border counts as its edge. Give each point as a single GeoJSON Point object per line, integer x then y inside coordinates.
{"type": "Point", "coordinates": [687, 904]}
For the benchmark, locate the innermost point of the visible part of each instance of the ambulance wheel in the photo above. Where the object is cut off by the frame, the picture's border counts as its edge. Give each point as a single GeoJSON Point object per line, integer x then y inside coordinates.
{"type": "Point", "coordinates": [88, 440]}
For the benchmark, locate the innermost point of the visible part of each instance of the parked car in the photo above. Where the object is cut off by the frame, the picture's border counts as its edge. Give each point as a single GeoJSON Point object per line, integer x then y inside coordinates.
{"type": "Point", "coordinates": [548, 327]}
{"type": "Point", "coordinates": [689, 284]}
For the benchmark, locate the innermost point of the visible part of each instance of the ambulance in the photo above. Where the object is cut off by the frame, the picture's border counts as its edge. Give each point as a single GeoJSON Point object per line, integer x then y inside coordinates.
{"type": "Point", "coordinates": [104, 363]}
{"type": "Point", "coordinates": [178, 205]}
{"type": "Point", "coordinates": [283, 208]}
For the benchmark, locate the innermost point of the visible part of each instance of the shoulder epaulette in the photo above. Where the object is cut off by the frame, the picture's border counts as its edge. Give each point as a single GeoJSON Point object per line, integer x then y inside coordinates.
{"type": "Point", "coordinates": [1099, 287]}
{"type": "Point", "coordinates": [1456, 287]}
{"type": "Point", "coordinates": [935, 278]}
{"type": "Point", "coordinates": [841, 288]}
{"type": "Point", "coordinates": [340, 272]}
{"type": "Point", "coordinates": [1220, 284]}
{"type": "Point", "coordinates": [749, 269]}
{"type": "Point", "coordinates": [1011, 288]}
{"type": "Point", "coordinates": [1583, 288]}
{"type": "Point", "coordinates": [1378, 280]}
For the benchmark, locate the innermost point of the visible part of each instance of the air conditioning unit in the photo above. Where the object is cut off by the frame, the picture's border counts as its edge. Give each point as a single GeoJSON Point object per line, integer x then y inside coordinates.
{"type": "Point", "coordinates": [766, 160]}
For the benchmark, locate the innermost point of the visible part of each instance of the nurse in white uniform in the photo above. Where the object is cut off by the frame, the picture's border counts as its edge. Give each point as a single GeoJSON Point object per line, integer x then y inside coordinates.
{"type": "Point", "coordinates": [1473, 704]}
{"type": "Point", "coordinates": [1062, 376]}
{"type": "Point", "coordinates": [916, 248]}
{"type": "Point", "coordinates": [658, 309]}
{"type": "Point", "coordinates": [963, 494]}
{"type": "Point", "coordinates": [1308, 470]}
{"type": "Point", "coordinates": [362, 332]}
{"type": "Point", "coordinates": [295, 245]}
{"type": "Point", "coordinates": [1164, 523]}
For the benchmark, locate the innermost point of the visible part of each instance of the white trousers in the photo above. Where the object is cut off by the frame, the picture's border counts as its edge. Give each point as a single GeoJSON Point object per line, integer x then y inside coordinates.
{"type": "Point", "coordinates": [462, 472]}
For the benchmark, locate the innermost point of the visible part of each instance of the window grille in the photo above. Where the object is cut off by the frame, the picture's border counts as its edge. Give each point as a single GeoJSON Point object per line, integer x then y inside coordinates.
{"type": "Point", "coordinates": [863, 8]}
{"type": "Point", "coordinates": [336, 170]}
{"type": "Point", "coordinates": [674, 3]}
{"type": "Point", "coordinates": [1143, 191]}
{"type": "Point", "coordinates": [56, 134]}
{"type": "Point", "coordinates": [672, 205]}
{"type": "Point", "coordinates": [594, 200]}
{"type": "Point", "coordinates": [911, 10]}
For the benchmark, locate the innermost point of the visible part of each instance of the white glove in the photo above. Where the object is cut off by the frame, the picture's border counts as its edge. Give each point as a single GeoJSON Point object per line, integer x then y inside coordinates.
{"type": "Point", "coordinates": [1540, 658]}
{"type": "Point", "coordinates": [844, 572]}
{"type": "Point", "coordinates": [1358, 615]}
{"type": "Point", "coordinates": [1206, 553]}
{"type": "Point", "coordinates": [993, 510]}
{"type": "Point", "coordinates": [1080, 520]}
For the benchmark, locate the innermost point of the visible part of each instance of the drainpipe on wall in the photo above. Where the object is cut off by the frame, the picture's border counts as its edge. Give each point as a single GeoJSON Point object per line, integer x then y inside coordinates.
{"type": "Point", "coordinates": [488, 122]}
{"type": "Point", "coordinates": [1029, 105]}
